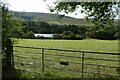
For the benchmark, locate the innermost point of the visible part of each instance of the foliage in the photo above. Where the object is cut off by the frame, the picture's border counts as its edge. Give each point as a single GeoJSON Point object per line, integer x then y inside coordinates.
{"type": "Point", "coordinates": [67, 35]}
{"type": "Point", "coordinates": [73, 31]}
{"type": "Point", "coordinates": [106, 33]}
{"type": "Point", "coordinates": [30, 35]}
{"type": "Point", "coordinates": [40, 37]}
{"type": "Point", "coordinates": [11, 27]}
{"type": "Point", "coordinates": [102, 12]}
{"type": "Point", "coordinates": [46, 28]}
{"type": "Point", "coordinates": [117, 35]}
{"type": "Point", "coordinates": [92, 31]}
{"type": "Point", "coordinates": [57, 36]}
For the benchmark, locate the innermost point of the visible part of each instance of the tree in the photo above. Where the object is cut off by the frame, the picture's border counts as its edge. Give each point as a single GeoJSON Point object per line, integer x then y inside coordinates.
{"type": "Point", "coordinates": [30, 35]}
{"type": "Point", "coordinates": [102, 13]}
{"type": "Point", "coordinates": [45, 27]}
{"type": "Point", "coordinates": [117, 35]}
{"type": "Point", "coordinates": [10, 25]}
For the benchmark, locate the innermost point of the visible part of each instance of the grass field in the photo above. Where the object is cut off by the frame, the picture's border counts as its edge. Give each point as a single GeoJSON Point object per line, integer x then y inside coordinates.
{"type": "Point", "coordinates": [87, 44]}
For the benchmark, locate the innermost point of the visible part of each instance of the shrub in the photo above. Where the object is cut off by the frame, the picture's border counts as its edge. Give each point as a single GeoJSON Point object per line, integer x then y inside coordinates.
{"type": "Point", "coordinates": [78, 37]}
{"type": "Point", "coordinates": [39, 37]}
{"type": "Point", "coordinates": [117, 35]}
{"type": "Point", "coordinates": [57, 36]}
{"type": "Point", "coordinates": [30, 35]}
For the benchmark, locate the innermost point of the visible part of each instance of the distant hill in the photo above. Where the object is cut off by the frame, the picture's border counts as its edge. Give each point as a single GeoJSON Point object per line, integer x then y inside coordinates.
{"type": "Point", "coordinates": [53, 18]}
{"type": "Point", "coordinates": [50, 18]}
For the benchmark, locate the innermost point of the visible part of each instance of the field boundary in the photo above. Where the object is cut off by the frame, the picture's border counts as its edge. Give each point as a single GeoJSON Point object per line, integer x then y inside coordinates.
{"type": "Point", "coordinates": [82, 57]}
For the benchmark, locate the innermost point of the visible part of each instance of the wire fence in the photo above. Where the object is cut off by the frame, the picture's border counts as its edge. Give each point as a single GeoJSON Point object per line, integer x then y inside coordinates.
{"type": "Point", "coordinates": [69, 63]}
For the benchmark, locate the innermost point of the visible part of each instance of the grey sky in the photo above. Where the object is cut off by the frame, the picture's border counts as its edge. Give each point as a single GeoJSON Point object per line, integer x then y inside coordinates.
{"type": "Point", "coordinates": [37, 6]}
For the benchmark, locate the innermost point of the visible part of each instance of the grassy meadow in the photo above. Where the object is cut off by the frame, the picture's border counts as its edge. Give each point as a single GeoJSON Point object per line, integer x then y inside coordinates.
{"type": "Point", "coordinates": [87, 44]}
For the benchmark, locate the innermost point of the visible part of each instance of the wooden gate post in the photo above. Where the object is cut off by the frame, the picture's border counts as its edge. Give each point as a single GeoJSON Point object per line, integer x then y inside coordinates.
{"type": "Point", "coordinates": [9, 54]}
{"type": "Point", "coordinates": [82, 65]}
{"type": "Point", "coordinates": [43, 60]}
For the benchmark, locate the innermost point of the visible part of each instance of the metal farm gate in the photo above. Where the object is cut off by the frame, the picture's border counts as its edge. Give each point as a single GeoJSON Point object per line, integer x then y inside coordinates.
{"type": "Point", "coordinates": [67, 63]}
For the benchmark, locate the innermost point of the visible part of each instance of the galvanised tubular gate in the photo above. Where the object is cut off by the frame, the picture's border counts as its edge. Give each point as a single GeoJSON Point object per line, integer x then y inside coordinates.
{"type": "Point", "coordinates": [82, 62]}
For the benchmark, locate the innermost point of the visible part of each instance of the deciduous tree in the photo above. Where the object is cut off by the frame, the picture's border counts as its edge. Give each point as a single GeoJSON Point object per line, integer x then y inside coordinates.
{"type": "Point", "coordinates": [10, 26]}
{"type": "Point", "coordinates": [102, 13]}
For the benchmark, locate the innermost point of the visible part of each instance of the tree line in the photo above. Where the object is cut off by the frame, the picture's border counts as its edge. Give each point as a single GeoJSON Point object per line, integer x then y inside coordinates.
{"type": "Point", "coordinates": [68, 31]}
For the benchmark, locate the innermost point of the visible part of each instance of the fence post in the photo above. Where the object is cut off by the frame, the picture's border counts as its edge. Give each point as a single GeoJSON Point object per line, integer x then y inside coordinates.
{"type": "Point", "coordinates": [82, 65]}
{"type": "Point", "coordinates": [119, 58]}
{"type": "Point", "coordinates": [12, 58]}
{"type": "Point", "coordinates": [43, 60]}
{"type": "Point", "coordinates": [9, 54]}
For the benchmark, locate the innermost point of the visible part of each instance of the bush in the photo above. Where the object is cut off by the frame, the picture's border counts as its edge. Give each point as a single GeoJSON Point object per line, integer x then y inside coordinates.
{"type": "Point", "coordinates": [78, 37]}
{"type": "Point", "coordinates": [88, 35]}
{"type": "Point", "coordinates": [30, 35]}
{"type": "Point", "coordinates": [67, 32]}
{"type": "Point", "coordinates": [39, 37]}
{"type": "Point", "coordinates": [57, 36]}
{"type": "Point", "coordinates": [67, 35]}
{"type": "Point", "coordinates": [117, 35]}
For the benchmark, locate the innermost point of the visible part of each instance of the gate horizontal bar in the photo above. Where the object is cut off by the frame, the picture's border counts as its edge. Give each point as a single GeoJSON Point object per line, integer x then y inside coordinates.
{"type": "Point", "coordinates": [85, 51]}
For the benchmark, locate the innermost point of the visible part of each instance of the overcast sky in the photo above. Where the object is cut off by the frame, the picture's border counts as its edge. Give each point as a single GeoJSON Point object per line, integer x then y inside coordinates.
{"type": "Point", "coordinates": [36, 6]}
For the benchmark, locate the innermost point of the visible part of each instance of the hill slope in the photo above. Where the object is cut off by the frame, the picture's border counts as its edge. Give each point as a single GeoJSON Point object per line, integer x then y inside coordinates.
{"type": "Point", "coordinates": [51, 18]}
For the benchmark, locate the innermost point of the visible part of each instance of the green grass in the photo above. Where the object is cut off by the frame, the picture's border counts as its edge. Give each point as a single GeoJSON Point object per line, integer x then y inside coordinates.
{"type": "Point", "coordinates": [87, 44]}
